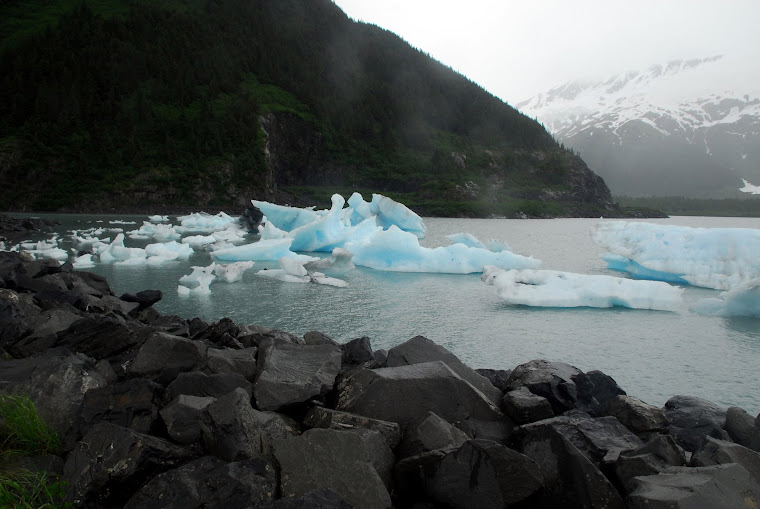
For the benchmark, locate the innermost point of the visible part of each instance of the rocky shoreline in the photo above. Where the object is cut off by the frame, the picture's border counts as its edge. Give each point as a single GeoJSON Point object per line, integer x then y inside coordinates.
{"type": "Point", "coordinates": [159, 411]}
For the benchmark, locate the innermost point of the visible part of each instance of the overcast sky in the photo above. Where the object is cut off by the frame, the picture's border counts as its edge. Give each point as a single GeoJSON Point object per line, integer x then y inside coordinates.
{"type": "Point", "coordinates": [516, 49]}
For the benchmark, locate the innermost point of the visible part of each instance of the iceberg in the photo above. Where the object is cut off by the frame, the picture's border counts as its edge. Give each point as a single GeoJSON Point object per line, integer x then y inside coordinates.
{"type": "Point", "coordinates": [199, 241]}
{"type": "Point", "coordinates": [286, 218]}
{"type": "Point", "coordinates": [392, 213]}
{"type": "Point", "coordinates": [744, 300]}
{"type": "Point", "coordinates": [294, 272]}
{"type": "Point", "coordinates": [549, 288]}
{"type": "Point", "coordinates": [169, 250]}
{"type": "Point", "coordinates": [232, 272]}
{"type": "Point", "coordinates": [204, 222]}
{"type": "Point", "coordinates": [197, 282]}
{"type": "Point", "coordinates": [397, 250]}
{"type": "Point", "coordinates": [471, 241]}
{"type": "Point", "coordinates": [271, 249]}
{"type": "Point", "coordinates": [720, 258]}
{"type": "Point", "coordinates": [158, 219]}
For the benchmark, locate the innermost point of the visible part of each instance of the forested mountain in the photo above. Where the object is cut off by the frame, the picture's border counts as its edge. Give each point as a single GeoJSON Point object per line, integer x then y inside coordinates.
{"type": "Point", "coordinates": [140, 104]}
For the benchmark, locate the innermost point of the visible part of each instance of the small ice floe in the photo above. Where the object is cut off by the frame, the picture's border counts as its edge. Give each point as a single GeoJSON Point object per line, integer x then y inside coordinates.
{"type": "Point", "coordinates": [720, 258]}
{"type": "Point", "coordinates": [158, 219]}
{"type": "Point", "coordinates": [744, 300]}
{"type": "Point", "coordinates": [470, 240]}
{"type": "Point", "coordinates": [549, 288]}
{"type": "Point", "coordinates": [119, 221]}
{"type": "Point", "coordinates": [198, 282]}
{"type": "Point", "coordinates": [293, 271]}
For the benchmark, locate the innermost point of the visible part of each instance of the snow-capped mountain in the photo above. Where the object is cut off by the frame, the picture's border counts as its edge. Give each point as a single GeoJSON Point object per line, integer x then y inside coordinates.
{"type": "Point", "coordinates": [688, 128]}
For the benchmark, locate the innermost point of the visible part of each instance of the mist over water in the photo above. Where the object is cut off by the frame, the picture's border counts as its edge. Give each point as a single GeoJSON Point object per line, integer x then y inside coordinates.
{"type": "Point", "coordinates": [652, 355]}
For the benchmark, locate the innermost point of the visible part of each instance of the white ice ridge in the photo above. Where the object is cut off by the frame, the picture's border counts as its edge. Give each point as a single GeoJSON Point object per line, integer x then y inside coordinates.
{"type": "Point", "coordinates": [720, 258]}
{"type": "Point", "coordinates": [293, 271]}
{"type": "Point", "coordinates": [744, 300]}
{"type": "Point", "coordinates": [549, 288]}
{"type": "Point", "coordinates": [400, 251]}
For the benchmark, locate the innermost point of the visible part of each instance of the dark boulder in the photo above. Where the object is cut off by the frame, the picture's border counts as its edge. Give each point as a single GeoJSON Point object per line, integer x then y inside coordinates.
{"type": "Point", "coordinates": [356, 352]}
{"type": "Point", "coordinates": [163, 357]}
{"type": "Point", "coordinates": [497, 377]}
{"type": "Point", "coordinates": [320, 417]}
{"type": "Point", "coordinates": [265, 336]}
{"type": "Point", "coordinates": [183, 417]}
{"type": "Point", "coordinates": [524, 407]}
{"type": "Point", "coordinates": [251, 218]}
{"type": "Point", "coordinates": [325, 458]}
{"type": "Point", "coordinates": [693, 419]}
{"type": "Point", "coordinates": [322, 498]}
{"type": "Point", "coordinates": [230, 360]}
{"type": "Point", "coordinates": [721, 452]}
{"type": "Point", "coordinates": [102, 337]}
{"type": "Point", "coordinates": [729, 486]}
{"type": "Point", "coordinates": [195, 383]}
{"type": "Point", "coordinates": [132, 404]}
{"type": "Point", "coordinates": [550, 380]}
{"type": "Point", "coordinates": [232, 429]}
{"type": "Point", "coordinates": [289, 374]}
{"type": "Point", "coordinates": [16, 310]}
{"type": "Point", "coordinates": [218, 333]}
{"type": "Point", "coordinates": [657, 455]}
{"type": "Point", "coordinates": [170, 324]}
{"type": "Point", "coordinates": [570, 478]}
{"type": "Point", "coordinates": [56, 382]}
{"type": "Point", "coordinates": [636, 415]}
{"type": "Point", "coordinates": [419, 349]}
{"type": "Point", "coordinates": [740, 426]}
{"type": "Point", "coordinates": [143, 299]}
{"type": "Point", "coordinates": [405, 393]}
{"type": "Point", "coordinates": [601, 439]}
{"type": "Point", "coordinates": [411, 476]}
{"type": "Point", "coordinates": [428, 434]}
{"type": "Point", "coordinates": [318, 338]}
{"type": "Point", "coordinates": [208, 483]}
{"type": "Point", "coordinates": [112, 462]}
{"type": "Point", "coordinates": [44, 334]}
{"type": "Point", "coordinates": [482, 473]}
{"type": "Point", "coordinates": [595, 391]}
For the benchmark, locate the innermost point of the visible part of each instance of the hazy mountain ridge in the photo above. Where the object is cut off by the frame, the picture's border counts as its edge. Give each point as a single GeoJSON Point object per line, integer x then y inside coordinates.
{"type": "Point", "coordinates": [633, 128]}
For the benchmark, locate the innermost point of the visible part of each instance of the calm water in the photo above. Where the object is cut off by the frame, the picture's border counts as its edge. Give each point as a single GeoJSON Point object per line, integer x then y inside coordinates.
{"type": "Point", "coordinates": [652, 355]}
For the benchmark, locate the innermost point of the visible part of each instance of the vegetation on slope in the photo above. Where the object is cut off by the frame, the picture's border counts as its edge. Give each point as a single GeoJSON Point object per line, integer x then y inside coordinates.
{"type": "Point", "coordinates": [122, 103]}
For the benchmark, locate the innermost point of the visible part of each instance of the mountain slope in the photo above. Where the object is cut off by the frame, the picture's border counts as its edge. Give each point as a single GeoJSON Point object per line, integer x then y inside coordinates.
{"type": "Point", "coordinates": [127, 104]}
{"type": "Point", "coordinates": [689, 128]}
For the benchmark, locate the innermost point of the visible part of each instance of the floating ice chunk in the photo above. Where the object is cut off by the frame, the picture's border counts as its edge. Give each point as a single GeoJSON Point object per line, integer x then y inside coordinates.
{"type": "Point", "coordinates": [199, 241]}
{"type": "Point", "coordinates": [331, 230]}
{"type": "Point", "coordinates": [391, 212]}
{"type": "Point", "coordinates": [270, 231]}
{"type": "Point", "coordinates": [169, 250]}
{"type": "Point", "coordinates": [232, 272]}
{"type": "Point", "coordinates": [720, 258]}
{"type": "Point", "coordinates": [198, 281]}
{"type": "Point", "coordinates": [292, 267]}
{"type": "Point", "coordinates": [166, 232]}
{"type": "Point", "coordinates": [321, 279]}
{"type": "Point", "coordinates": [119, 221]}
{"type": "Point", "coordinates": [271, 249]}
{"type": "Point", "coordinates": [158, 219]}
{"type": "Point", "coordinates": [470, 240]}
{"type": "Point", "coordinates": [397, 250]}
{"type": "Point", "coordinates": [744, 300]}
{"type": "Point", "coordinates": [337, 264]}
{"type": "Point", "coordinates": [317, 277]}
{"type": "Point", "coordinates": [549, 288]}
{"type": "Point", "coordinates": [358, 210]}
{"type": "Point", "coordinates": [202, 221]}
{"type": "Point", "coordinates": [84, 262]}
{"type": "Point", "coordinates": [286, 218]}
{"type": "Point", "coordinates": [117, 252]}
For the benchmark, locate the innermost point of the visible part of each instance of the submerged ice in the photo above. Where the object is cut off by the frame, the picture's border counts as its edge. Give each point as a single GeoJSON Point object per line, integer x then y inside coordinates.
{"type": "Point", "coordinates": [744, 300]}
{"type": "Point", "coordinates": [549, 288]}
{"type": "Point", "coordinates": [720, 258]}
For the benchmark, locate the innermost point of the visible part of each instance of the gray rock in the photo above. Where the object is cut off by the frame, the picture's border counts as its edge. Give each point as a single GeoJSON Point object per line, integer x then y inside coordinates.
{"type": "Point", "coordinates": [195, 383]}
{"type": "Point", "coordinates": [170, 324]}
{"type": "Point", "coordinates": [739, 426]}
{"type": "Point", "coordinates": [229, 360]}
{"type": "Point", "coordinates": [595, 391]}
{"type": "Point", "coordinates": [405, 393]}
{"type": "Point", "coordinates": [132, 404]}
{"type": "Point", "coordinates": [216, 332]}
{"type": "Point", "coordinates": [257, 338]}
{"type": "Point", "coordinates": [497, 377]}
{"type": "Point", "coordinates": [318, 338]}
{"type": "Point", "coordinates": [729, 486]}
{"type": "Point", "coordinates": [380, 455]}
{"type": "Point", "coordinates": [482, 473]}
{"type": "Point", "coordinates": [208, 483]}
{"type": "Point", "coordinates": [56, 382]}
{"type": "Point", "coordinates": [100, 337]}
{"type": "Point", "coordinates": [755, 441]}
{"type": "Point", "coordinates": [163, 357]}
{"type": "Point", "coordinates": [320, 417]}
{"type": "Point", "coordinates": [325, 458]}
{"type": "Point", "coordinates": [411, 476]}
{"type": "Point", "coordinates": [636, 415]}
{"type": "Point", "coordinates": [524, 407]}
{"type": "Point", "coordinates": [289, 374]}
{"type": "Point", "coordinates": [183, 417]}
{"type": "Point", "coordinates": [692, 419]}
{"type": "Point", "coordinates": [721, 452]}
{"type": "Point", "coordinates": [232, 429]}
{"type": "Point", "coordinates": [322, 498]}
{"type": "Point", "coordinates": [551, 380]}
{"type": "Point", "coordinates": [428, 434]}
{"type": "Point", "coordinates": [601, 439]}
{"type": "Point", "coordinates": [570, 478]}
{"type": "Point", "coordinates": [15, 313]}
{"type": "Point", "coordinates": [111, 462]}
{"type": "Point", "coordinates": [357, 352]}
{"type": "Point", "coordinates": [419, 349]}
{"type": "Point", "coordinates": [657, 455]}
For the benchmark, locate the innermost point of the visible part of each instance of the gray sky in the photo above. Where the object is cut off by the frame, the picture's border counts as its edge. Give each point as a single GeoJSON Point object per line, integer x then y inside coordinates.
{"type": "Point", "coordinates": [516, 49]}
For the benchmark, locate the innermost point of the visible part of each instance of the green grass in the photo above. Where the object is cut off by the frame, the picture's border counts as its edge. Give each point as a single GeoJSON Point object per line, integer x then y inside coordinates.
{"type": "Point", "coordinates": [24, 433]}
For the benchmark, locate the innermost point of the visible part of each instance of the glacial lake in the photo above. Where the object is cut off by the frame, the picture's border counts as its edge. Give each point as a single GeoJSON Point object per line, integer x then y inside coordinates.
{"type": "Point", "coordinates": [652, 355]}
